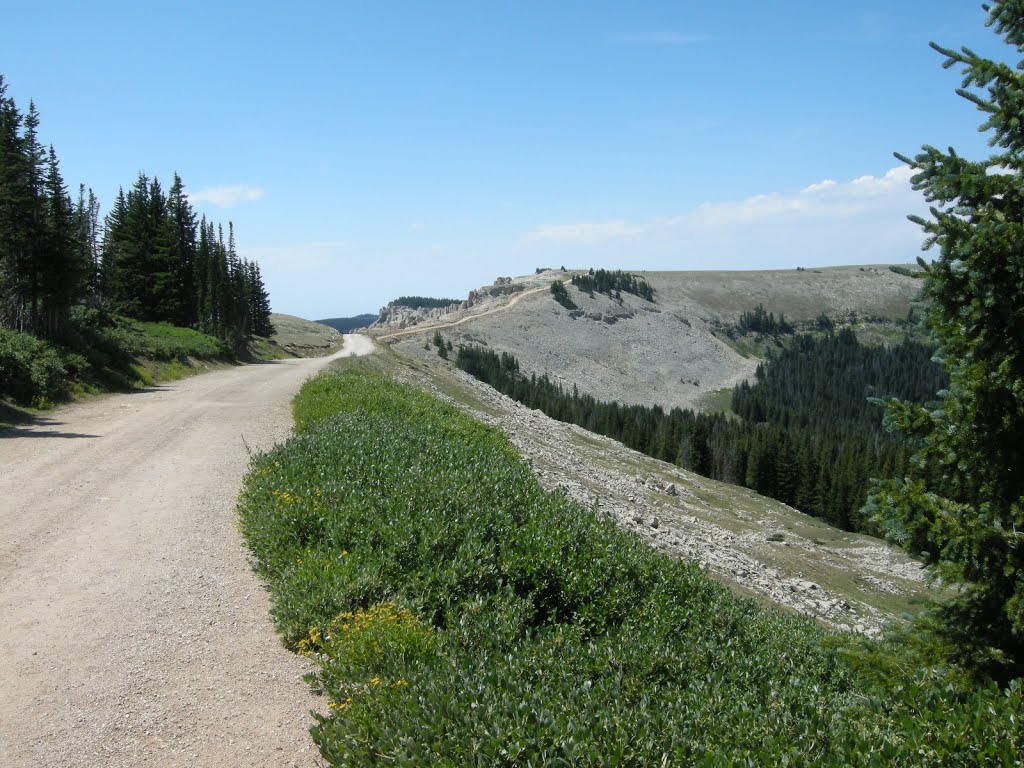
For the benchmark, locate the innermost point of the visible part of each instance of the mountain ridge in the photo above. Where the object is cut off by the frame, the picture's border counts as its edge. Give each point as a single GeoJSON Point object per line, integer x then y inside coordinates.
{"type": "Point", "coordinates": [675, 351]}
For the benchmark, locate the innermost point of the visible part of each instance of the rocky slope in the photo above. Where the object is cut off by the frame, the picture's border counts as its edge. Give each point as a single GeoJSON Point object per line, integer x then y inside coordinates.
{"type": "Point", "coordinates": [758, 546]}
{"type": "Point", "coordinates": [673, 351]}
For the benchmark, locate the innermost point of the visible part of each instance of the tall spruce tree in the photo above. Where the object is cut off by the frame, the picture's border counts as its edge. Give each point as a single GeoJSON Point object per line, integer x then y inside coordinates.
{"type": "Point", "coordinates": [15, 204]}
{"type": "Point", "coordinates": [961, 506]}
{"type": "Point", "coordinates": [40, 274]}
{"type": "Point", "coordinates": [131, 242]}
{"type": "Point", "coordinates": [63, 272]}
{"type": "Point", "coordinates": [181, 295]}
{"type": "Point", "coordinates": [87, 228]}
{"type": "Point", "coordinates": [34, 223]}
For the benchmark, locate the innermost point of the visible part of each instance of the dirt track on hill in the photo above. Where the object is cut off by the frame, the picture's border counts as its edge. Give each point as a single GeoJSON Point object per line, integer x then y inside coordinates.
{"type": "Point", "coordinates": [461, 321]}
{"type": "Point", "coordinates": [132, 631]}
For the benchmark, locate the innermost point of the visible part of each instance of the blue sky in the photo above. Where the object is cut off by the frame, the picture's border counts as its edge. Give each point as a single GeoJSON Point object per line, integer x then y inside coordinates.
{"type": "Point", "coordinates": [366, 150]}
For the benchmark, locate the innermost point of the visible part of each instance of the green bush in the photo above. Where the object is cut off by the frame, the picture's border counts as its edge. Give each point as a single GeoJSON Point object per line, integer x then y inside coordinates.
{"type": "Point", "coordinates": [461, 615]}
{"type": "Point", "coordinates": [31, 370]}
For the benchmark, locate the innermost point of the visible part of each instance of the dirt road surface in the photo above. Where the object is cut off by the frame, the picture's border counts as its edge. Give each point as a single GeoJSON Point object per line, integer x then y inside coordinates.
{"type": "Point", "coordinates": [132, 630]}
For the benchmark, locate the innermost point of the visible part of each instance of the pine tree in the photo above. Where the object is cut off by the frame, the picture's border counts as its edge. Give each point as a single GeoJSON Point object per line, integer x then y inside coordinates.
{"type": "Point", "coordinates": [132, 230]}
{"type": "Point", "coordinates": [15, 207]}
{"type": "Point", "coordinates": [178, 303]}
{"type": "Point", "coordinates": [258, 301]}
{"type": "Point", "coordinates": [150, 260]}
{"type": "Point", "coordinates": [961, 505]}
{"type": "Point", "coordinates": [34, 232]}
{"type": "Point", "coordinates": [87, 236]}
{"type": "Point", "coordinates": [62, 271]}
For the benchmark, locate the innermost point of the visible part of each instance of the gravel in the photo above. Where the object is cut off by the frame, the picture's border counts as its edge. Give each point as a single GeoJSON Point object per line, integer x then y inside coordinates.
{"type": "Point", "coordinates": [134, 632]}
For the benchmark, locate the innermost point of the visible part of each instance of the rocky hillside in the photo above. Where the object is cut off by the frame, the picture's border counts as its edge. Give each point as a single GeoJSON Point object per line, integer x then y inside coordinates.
{"type": "Point", "coordinates": [674, 351]}
{"type": "Point", "coordinates": [758, 546]}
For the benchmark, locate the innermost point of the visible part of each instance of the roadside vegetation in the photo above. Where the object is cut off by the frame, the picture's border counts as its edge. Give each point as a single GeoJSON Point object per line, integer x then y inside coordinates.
{"type": "Point", "coordinates": [97, 353]}
{"type": "Point", "coordinates": [461, 615]}
{"type": "Point", "coordinates": [91, 303]}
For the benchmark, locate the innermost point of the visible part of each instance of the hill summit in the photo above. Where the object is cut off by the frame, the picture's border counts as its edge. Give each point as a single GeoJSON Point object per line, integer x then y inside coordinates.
{"type": "Point", "coordinates": [675, 349]}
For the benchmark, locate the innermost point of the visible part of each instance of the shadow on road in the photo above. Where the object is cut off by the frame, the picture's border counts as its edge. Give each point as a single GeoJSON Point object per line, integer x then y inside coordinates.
{"type": "Point", "coordinates": [30, 432]}
{"type": "Point", "coordinates": [14, 422]}
{"type": "Point", "coordinates": [11, 416]}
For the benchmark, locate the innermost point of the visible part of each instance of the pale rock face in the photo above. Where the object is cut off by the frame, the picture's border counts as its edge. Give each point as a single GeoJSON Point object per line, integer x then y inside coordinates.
{"type": "Point", "coordinates": [398, 317]}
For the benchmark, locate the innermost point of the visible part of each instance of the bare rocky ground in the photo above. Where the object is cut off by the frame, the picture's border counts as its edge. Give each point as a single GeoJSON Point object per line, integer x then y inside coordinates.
{"type": "Point", "coordinates": [756, 545]}
{"type": "Point", "coordinates": [133, 631]}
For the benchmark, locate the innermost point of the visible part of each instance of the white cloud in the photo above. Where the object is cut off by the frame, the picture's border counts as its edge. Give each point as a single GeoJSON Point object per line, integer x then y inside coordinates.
{"type": "Point", "coordinates": [583, 232]}
{"type": "Point", "coordinates": [825, 199]}
{"type": "Point", "coordinates": [862, 220]}
{"type": "Point", "coordinates": [227, 195]}
{"type": "Point", "coordinates": [821, 186]}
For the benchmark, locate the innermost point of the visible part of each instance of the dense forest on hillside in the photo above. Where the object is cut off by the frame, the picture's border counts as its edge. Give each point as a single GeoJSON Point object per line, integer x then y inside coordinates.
{"type": "Point", "coordinates": [808, 436]}
{"type": "Point", "coordinates": [758, 320]}
{"type": "Point", "coordinates": [346, 324]}
{"type": "Point", "coordinates": [422, 302]}
{"type": "Point", "coordinates": [613, 284]}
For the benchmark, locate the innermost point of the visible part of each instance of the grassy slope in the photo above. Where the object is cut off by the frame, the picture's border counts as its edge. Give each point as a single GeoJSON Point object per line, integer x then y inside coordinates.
{"type": "Point", "coordinates": [871, 291]}
{"type": "Point", "coordinates": [462, 616]}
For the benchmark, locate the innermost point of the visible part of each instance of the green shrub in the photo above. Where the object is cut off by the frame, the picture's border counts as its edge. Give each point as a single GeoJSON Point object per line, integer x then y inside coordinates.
{"type": "Point", "coordinates": [31, 370]}
{"type": "Point", "coordinates": [461, 615]}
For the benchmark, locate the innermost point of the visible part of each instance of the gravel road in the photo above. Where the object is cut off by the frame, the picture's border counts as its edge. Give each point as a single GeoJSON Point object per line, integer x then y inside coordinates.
{"type": "Point", "coordinates": [132, 630]}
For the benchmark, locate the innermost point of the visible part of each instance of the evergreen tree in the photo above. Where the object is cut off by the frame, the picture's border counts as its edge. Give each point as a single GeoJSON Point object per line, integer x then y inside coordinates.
{"type": "Point", "coordinates": [112, 244]}
{"type": "Point", "coordinates": [15, 215]}
{"type": "Point", "coordinates": [259, 301]}
{"type": "Point", "coordinates": [40, 273]}
{"type": "Point", "coordinates": [62, 272]}
{"type": "Point", "coordinates": [131, 261]}
{"type": "Point", "coordinates": [34, 234]}
{"type": "Point", "coordinates": [153, 260]}
{"type": "Point", "coordinates": [87, 228]}
{"type": "Point", "coordinates": [961, 503]}
{"type": "Point", "coordinates": [179, 299]}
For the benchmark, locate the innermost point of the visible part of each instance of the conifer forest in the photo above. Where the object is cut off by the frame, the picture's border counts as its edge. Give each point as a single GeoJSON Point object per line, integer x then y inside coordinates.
{"type": "Point", "coordinates": [149, 258]}
{"type": "Point", "coordinates": [810, 432]}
